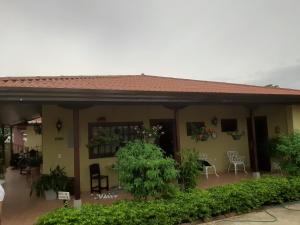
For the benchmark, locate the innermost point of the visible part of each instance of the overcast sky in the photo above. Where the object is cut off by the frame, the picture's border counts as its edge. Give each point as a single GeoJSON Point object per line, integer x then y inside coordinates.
{"type": "Point", "coordinates": [246, 41]}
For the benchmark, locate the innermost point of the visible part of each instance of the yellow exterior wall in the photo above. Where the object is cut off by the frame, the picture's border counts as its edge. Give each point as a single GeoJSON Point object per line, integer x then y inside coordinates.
{"type": "Point", "coordinates": [57, 146]}
{"type": "Point", "coordinates": [293, 118]}
{"type": "Point", "coordinates": [52, 148]}
{"type": "Point", "coordinates": [56, 149]}
{"type": "Point", "coordinates": [34, 140]}
{"type": "Point", "coordinates": [215, 148]}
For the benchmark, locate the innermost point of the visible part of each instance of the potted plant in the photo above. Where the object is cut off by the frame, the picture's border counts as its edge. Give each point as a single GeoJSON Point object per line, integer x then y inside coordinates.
{"type": "Point", "coordinates": [236, 135]}
{"type": "Point", "coordinates": [48, 185]}
{"type": "Point", "coordinates": [203, 133]}
{"type": "Point", "coordinates": [44, 187]}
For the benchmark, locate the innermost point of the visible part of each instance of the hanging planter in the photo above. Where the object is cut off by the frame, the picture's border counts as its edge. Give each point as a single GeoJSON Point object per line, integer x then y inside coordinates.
{"type": "Point", "coordinates": [236, 135]}
{"type": "Point", "coordinates": [201, 137]}
{"type": "Point", "coordinates": [203, 134]}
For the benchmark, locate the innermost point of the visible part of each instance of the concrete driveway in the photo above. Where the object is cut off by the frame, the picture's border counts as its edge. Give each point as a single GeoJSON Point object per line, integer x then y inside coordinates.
{"type": "Point", "coordinates": [279, 216]}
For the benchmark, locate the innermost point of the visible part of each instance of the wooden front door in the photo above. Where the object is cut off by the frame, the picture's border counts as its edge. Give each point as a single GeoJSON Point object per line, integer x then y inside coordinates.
{"type": "Point", "coordinates": [166, 141]}
{"type": "Point", "coordinates": [261, 134]}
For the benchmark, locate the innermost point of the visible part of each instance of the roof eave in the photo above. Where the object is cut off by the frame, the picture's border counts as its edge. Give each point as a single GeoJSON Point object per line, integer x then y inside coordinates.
{"type": "Point", "coordinates": [110, 96]}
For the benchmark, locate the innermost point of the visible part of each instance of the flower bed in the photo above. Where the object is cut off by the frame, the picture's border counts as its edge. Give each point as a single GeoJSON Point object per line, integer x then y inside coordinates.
{"type": "Point", "coordinates": [184, 207]}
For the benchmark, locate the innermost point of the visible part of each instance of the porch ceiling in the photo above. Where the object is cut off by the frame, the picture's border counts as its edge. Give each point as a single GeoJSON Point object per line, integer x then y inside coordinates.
{"type": "Point", "coordinates": [13, 113]}
{"type": "Point", "coordinates": [20, 104]}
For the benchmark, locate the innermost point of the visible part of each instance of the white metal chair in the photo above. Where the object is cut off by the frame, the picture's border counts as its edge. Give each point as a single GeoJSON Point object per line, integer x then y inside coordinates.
{"type": "Point", "coordinates": [275, 167]}
{"type": "Point", "coordinates": [207, 164]}
{"type": "Point", "coordinates": [237, 160]}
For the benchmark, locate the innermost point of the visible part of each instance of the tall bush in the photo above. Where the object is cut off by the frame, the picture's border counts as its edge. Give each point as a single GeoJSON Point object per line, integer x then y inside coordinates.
{"type": "Point", "coordinates": [288, 150]}
{"type": "Point", "coordinates": [189, 169]}
{"type": "Point", "coordinates": [144, 171]}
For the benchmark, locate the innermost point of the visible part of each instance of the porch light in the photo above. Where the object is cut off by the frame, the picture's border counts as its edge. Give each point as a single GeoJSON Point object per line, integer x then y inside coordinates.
{"type": "Point", "coordinates": [59, 125]}
{"type": "Point", "coordinates": [214, 121]}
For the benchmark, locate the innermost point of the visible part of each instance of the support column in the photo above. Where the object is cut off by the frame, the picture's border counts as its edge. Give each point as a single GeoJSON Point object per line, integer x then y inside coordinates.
{"type": "Point", "coordinates": [177, 136]}
{"type": "Point", "coordinates": [256, 172]}
{"type": "Point", "coordinates": [3, 144]}
{"type": "Point", "coordinates": [77, 200]}
{"type": "Point", "coordinates": [11, 142]}
{"type": "Point", "coordinates": [2, 157]}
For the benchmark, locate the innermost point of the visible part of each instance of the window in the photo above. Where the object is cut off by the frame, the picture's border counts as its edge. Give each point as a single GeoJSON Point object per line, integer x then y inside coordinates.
{"type": "Point", "coordinates": [228, 125]}
{"type": "Point", "coordinates": [190, 126]}
{"type": "Point", "coordinates": [124, 131]}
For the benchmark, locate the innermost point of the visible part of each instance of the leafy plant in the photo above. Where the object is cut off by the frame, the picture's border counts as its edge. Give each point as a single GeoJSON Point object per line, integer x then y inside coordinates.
{"type": "Point", "coordinates": [236, 135]}
{"type": "Point", "coordinates": [104, 137]}
{"type": "Point", "coordinates": [272, 147]}
{"type": "Point", "coordinates": [60, 178]}
{"type": "Point", "coordinates": [44, 183]}
{"type": "Point", "coordinates": [56, 180]}
{"type": "Point", "coordinates": [35, 162]}
{"type": "Point", "coordinates": [202, 133]}
{"type": "Point", "coordinates": [189, 169]}
{"type": "Point", "coordinates": [288, 150]}
{"type": "Point", "coordinates": [184, 207]}
{"type": "Point", "coordinates": [144, 171]}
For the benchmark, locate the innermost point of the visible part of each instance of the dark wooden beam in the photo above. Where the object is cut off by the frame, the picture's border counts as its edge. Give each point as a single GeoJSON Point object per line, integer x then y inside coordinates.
{"type": "Point", "coordinates": [2, 149]}
{"type": "Point", "coordinates": [254, 143]}
{"type": "Point", "coordinates": [11, 141]}
{"type": "Point", "coordinates": [76, 105]}
{"type": "Point", "coordinates": [76, 153]}
{"type": "Point", "coordinates": [177, 154]}
{"type": "Point", "coordinates": [175, 106]}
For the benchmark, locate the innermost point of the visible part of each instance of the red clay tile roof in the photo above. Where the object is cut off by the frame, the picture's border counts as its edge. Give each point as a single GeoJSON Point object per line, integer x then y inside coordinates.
{"type": "Point", "coordinates": [139, 83]}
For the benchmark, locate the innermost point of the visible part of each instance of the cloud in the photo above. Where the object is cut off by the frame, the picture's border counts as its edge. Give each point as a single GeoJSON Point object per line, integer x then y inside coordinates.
{"type": "Point", "coordinates": [288, 76]}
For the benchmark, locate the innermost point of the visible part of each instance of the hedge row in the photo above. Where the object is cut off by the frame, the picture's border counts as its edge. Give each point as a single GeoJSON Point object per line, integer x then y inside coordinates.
{"type": "Point", "coordinates": [184, 207]}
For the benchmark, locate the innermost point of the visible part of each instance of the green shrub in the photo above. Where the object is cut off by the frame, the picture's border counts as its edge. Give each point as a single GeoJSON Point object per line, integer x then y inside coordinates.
{"type": "Point", "coordinates": [144, 171]}
{"type": "Point", "coordinates": [288, 150]}
{"type": "Point", "coordinates": [189, 169]}
{"type": "Point", "coordinates": [272, 147]}
{"type": "Point", "coordinates": [184, 206]}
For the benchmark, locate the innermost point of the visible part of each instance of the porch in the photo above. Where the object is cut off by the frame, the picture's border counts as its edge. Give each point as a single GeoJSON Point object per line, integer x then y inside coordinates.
{"type": "Point", "coordinates": [67, 146]}
{"type": "Point", "coordinates": [18, 206]}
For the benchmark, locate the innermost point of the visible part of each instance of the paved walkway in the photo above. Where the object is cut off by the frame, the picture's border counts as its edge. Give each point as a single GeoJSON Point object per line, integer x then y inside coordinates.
{"type": "Point", "coordinates": [18, 207]}
{"type": "Point", "coordinates": [280, 216]}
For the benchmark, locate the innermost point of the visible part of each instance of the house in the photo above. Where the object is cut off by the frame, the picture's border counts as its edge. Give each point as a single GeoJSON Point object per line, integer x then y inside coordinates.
{"type": "Point", "coordinates": [73, 108]}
